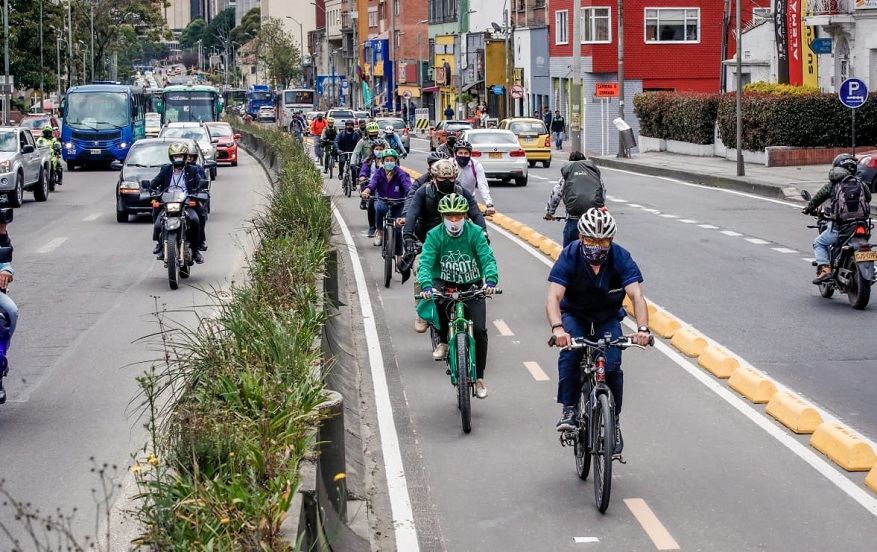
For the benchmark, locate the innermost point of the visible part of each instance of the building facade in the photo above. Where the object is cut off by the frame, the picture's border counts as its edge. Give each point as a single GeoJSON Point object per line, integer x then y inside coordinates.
{"type": "Point", "coordinates": [851, 26]}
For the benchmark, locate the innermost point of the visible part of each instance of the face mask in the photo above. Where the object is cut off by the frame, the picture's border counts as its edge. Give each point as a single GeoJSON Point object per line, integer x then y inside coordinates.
{"type": "Point", "coordinates": [178, 161]}
{"type": "Point", "coordinates": [595, 254]}
{"type": "Point", "coordinates": [389, 166]}
{"type": "Point", "coordinates": [444, 186]}
{"type": "Point", "coordinates": [454, 227]}
{"type": "Point", "coordinates": [462, 161]}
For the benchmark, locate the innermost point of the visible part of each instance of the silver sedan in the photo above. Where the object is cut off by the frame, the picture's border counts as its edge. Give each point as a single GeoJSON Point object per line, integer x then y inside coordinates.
{"type": "Point", "coordinates": [500, 153]}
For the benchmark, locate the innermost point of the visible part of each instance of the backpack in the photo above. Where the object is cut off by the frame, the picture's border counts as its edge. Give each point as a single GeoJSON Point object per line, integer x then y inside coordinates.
{"type": "Point", "coordinates": [582, 188]}
{"type": "Point", "coordinates": [849, 201]}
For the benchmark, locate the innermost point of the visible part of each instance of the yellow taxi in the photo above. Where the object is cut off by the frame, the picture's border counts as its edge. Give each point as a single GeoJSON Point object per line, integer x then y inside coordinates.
{"type": "Point", "coordinates": [533, 137]}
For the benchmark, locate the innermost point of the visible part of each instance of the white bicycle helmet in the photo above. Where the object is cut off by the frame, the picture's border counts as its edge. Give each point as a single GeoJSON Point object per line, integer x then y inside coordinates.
{"type": "Point", "coordinates": [389, 129]}
{"type": "Point", "coordinates": [597, 224]}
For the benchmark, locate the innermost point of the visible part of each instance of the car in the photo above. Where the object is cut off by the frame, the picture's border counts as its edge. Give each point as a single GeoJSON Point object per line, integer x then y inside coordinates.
{"type": "Point", "coordinates": [310, 116]}
{"type": "Point", "coordinates": [867, 169]}
{"type": "Point", "coordinates": [153, 124]}
{"type": "Point", "coordinates": [533, 136]}
{"type": "Point", "coordinates": [399, 125]}
{"type": "Point", "coordinates": [194, 131]}
{"type": "Point", "coordinates": [144, 160]}
{"type": "Point", "coordinates": [361, 115]}
{"type": "Point", "coordinates": [341, 116]}
{"type": "Point", "coordinates": [24, 165]}
{"type": "Point", "coordinates": [266, 113]}
{"type": "Point", "coordinates": [443, 129]}
{"type": "Point", "coordinates": [500, 153]}
{"type": "Point", "coordinates": [35, 123]}
{"type": "Point", "coordinates": [227, 147]}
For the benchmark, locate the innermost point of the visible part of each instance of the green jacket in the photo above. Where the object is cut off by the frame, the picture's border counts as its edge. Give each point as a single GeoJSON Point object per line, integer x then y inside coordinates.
{"type": "Point", "coordinates": [827, 192]}
{"type": "Point", "coordinates": [465, 259]}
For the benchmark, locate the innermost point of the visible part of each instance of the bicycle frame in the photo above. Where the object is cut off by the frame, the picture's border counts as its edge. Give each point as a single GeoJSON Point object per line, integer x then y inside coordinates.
{"type": "Point", "coordinates": [460, 324]}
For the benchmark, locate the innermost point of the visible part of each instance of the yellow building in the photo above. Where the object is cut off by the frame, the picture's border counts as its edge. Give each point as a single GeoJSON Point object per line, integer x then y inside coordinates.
{"type": "Point", "coordinates": [445, 70]}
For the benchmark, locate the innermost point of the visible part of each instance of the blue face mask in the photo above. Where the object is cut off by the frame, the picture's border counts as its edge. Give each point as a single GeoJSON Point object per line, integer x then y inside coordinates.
{"type": "Point", "coordinates": [389, 166]}
{"type": "Point", "coordinates": [594, 254]}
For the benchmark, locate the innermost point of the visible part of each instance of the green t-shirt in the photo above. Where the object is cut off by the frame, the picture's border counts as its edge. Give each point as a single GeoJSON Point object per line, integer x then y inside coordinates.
{"type": "Point", "coordinates": [465, 259]}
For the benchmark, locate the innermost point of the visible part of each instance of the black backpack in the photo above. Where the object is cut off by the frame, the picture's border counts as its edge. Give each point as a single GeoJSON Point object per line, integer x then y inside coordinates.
{"type": "Point", "coordinates": [849, 201]}
{"type": "Point", "coordinates": [582, 188]}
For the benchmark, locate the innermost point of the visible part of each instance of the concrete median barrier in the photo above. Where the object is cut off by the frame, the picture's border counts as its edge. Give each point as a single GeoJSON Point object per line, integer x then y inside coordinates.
{"type": "Point", "coordinates": [718, 361]}
{"type": "Point", "coordinates": [536, 239]}
{"type": "Point", "coordinates": [689, 342]}
{"type": "Point", "coordinates": [662, 324]}
{"type": "Point", "coordinates": [844, 448]}
{"type": "Point", "coordinates": [794, 413]}
{"type": "Point", "coordinates": [752, 385]}
{"type": "Point", "coordinates": [871, 479]}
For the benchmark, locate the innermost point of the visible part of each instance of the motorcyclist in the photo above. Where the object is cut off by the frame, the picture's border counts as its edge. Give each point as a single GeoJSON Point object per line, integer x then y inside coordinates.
{"type": "Point", "coordinates": [48, 140]}
{"type": "Point", "coordinates": [471, 174]}
{"type": "Point", "coordinates": [393, 141]}
{"type": "Point", "coordinates": [843, 169]}
{"type": "Point", "coordinates": [201, 209]}
{"type": "Point", "coordinates": [330, 133]}
{"type": "Point", "coordinates": [7, 306]}
{"type": "Point", "coordinates": [346, 143]}
{"type": "Point", "coordinates": [177, 175]}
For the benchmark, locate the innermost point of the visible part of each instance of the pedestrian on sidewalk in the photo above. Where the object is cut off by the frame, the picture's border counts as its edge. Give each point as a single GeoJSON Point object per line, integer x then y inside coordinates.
{"type": "Point", "coordinates": [449, 113]}
{"type": "Point", "coordinates": [558, 127]}
{"type": "Point", "coordinates": [546, 117]}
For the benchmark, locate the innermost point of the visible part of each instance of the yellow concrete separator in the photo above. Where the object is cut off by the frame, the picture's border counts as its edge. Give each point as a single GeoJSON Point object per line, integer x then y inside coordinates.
{"type": "Point", "coordinates": [752, 385]}
{"type": "Point", "coordinates": [689, 341]}
{"type": "Point", "coordinates": [718, 361]}
{"type": "Point", "coordinates": [844, 447]}
{"type": "Point", "coordinates": [871, 479]}
{"type": "Point", "coordinates": [794, 413]}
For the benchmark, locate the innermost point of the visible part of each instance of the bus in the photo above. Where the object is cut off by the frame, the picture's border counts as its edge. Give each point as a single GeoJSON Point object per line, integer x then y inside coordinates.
{"type": "Point", "coordinates": [153, 98]}
{"type": "Point", "coordinates": [190, 103]}
{"type": "Point", "coordinates": [234, 96]}
{"type": "Point", "coordinates": [258, 95]}
{"type": "Point", "coordinates": [291, 100]}
{"type": "Point", "coordinates": [101, 121]}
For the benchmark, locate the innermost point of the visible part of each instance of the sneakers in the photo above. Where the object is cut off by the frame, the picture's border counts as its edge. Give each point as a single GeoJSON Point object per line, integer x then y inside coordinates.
{"type": "Point", "coordinates": [420, 325]}
{"type": "Point", "coordinates": [371, 232]}
{"type": "Point", "coordinates": [379, 239]}
{"type": "Point", "coordinates": [619, 440]}
{"type": "Point", "coordinates": [480, 389]}
{"type": "Point", "coordinates": [567, 420]}
{"type": "Point", "coordinates": [823, 273]}
{"type": "Point", "coordinates": [157, 249]}
{"type": "Point", "coordinates": [203, 246]}
{"type": "Point", "coordinates": [441, 352]}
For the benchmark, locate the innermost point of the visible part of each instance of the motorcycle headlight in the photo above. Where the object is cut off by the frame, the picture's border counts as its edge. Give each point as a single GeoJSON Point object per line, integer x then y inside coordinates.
{"type": "Point", "coordinates": [173, 207]}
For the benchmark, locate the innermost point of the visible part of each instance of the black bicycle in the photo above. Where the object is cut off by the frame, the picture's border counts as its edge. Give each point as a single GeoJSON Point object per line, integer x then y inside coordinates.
{"type": "Point", "coordinates": [388, 244]}
{"type": "Point", "coordinates": [348, 181]}
{"type": "Point", "coordinates": [594, 434]}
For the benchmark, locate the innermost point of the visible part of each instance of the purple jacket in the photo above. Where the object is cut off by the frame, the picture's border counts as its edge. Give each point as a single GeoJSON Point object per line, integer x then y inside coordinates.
{"type": "Point", "coordinates": [396, 188]}
{"type": "Point", "coordinates": [366, 169]}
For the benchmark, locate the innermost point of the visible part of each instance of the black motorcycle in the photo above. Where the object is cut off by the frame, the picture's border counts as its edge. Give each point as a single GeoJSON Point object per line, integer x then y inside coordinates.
{"type": "Point", "coordinates": [57, 174]}
{"type": "Point", "coordinates": [851, 258]}
{"type": "Point", "coordinates": [178, 252]}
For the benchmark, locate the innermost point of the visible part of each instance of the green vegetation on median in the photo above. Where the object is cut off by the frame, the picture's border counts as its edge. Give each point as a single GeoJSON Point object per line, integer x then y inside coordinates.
{"type": "Point", "coordinates": [232, 407]}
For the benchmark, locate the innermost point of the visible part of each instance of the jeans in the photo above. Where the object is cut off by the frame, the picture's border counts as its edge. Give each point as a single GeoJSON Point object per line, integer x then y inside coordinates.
{"type": "Point", "coordinates": [8, 306]}
{"type": "Point", "coordinates": [569, 384]}
{"type": "Point", "coordinates": [476, 311]}
{"type": "Point", "coordinates": [381, 209]}
{"type": "Point", "coordinates": [822, 243]}
{"type": "Point", "coordinates": [570, 231]}
{"type": "Point", "coordinates": [558, 139]}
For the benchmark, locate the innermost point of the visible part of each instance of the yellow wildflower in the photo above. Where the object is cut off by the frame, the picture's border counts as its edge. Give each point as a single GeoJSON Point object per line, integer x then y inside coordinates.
{"type": "Point", "coordinates": [135, 469]}
{"type": "Point", "coordinates": [224, 520]}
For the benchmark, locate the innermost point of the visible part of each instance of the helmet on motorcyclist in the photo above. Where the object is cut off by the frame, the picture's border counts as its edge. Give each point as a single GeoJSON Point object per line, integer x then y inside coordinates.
{"type": "Point", "coordinates": [48, 132]}
{"type": "Point", "coordinates": [846, 161]}
{"type": "Point", "coordinates": [837, 174]}
{"type": "Point", "coordinates": [177, 153]}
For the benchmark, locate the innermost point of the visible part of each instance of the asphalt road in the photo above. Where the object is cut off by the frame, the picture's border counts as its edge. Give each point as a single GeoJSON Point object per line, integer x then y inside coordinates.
{"type": "Point", "coordinates": [86, 287]}
{"type": "Point", "coordinates": [714, 472]}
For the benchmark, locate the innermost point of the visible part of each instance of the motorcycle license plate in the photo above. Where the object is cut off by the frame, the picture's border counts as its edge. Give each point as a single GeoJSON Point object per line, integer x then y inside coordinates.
{"type": "Point", "coordinates": [866, 256]}
{"type": "Point", "coordinates": [495, 155]}
{"type": "Point", "coordinates": [95, 152]}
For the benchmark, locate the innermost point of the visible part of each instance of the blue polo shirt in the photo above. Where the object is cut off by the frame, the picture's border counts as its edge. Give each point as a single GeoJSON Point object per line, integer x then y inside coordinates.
{"type": "Point", "coordinates": [594, 297]}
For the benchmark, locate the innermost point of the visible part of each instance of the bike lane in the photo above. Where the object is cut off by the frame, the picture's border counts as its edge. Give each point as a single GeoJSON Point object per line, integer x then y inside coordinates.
{"type": "Point", "coordinates": [711, 477]}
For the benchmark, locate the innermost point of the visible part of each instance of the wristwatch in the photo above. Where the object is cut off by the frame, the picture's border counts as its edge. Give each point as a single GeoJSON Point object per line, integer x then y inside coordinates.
{"type": "Point", "coordinates": [644, 329]}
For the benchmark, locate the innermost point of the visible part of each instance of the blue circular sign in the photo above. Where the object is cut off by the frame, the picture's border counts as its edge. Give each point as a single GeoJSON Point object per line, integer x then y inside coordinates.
{"type": "Point", "coordinates": [853, 93]}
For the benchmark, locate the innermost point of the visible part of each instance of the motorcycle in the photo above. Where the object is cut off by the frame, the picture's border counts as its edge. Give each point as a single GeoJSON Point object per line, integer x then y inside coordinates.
{"type": "Point", "coordinates": [57, 175]}
{"type": "Point", "coordinates": [178, 253]}
{"type": "Point", "coordinates": [851, 258]}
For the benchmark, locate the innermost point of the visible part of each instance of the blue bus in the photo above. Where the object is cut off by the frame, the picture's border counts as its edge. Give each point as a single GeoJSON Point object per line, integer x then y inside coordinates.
{"type": "Point", "coordinates": [101, 121]}
{"type": "Point", "coordinates": [258, 95]}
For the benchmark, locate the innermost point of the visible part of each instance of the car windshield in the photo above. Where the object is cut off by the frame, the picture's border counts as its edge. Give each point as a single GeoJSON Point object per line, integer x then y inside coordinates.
{"type": "Point", "coordinates": [8, 142]}
{"type": "Point", "coordinates": [98, 110]}
{"type": "Point", "coordinates": [220, 130]}
{"type": "Point", "coordinates": [458, 126]}
{"type": "Point", "coordinates": [492, 138]}
{"type": "Point", "coordinates": [342, 114]}
{"type": "Point", "coordinates": [528, 127]}
{"type": "Point", "coordinates": [395, 123]}
{"type": "Point", "coordinates": [192, 133]}
{"type": "Point", "coordinates": [148, 155]}
{"type": "Point", "coordinates": [35, 123]}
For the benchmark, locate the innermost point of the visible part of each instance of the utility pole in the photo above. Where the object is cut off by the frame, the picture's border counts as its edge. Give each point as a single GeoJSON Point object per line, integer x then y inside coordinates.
{"type": "Point", "coordinates": [7, 96]}
{"type": "Point", "coordinates": [92, 40]}
{"type": "Point", "coordinates": [507, 21]}
{"type": "Point", "coordinates": [741, 171]}
{"type": "Point", "coordinates": [726, 28]}
{"type": "Point", "coordinates": [42, 70]}
{"type": "Point", "coordinates": [391, 93]}
{"type": "Point", "coordinates": [58, 52]}
{"type": "Point", "coordinates": [69, 43]}
{"type": "Point", "coordinates": [575, 119]}
{"type": "Point", "coordinates": [621, 150]}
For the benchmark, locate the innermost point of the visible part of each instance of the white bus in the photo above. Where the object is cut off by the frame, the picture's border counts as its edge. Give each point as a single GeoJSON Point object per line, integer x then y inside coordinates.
{"type": "Point", "coordinates": [291, 100]}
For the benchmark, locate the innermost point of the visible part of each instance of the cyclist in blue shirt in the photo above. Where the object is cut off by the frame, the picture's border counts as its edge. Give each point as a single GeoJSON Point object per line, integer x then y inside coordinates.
{"type": "Point", "coordinates": [393, 141]}
{"type": "Point", "coordinates": [587, 287]}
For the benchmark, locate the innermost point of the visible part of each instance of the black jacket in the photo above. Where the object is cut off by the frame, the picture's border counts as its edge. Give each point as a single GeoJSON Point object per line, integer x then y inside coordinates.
{"type": "Point", "coordinates": [163, 180]}
{"type": "Point", "coordinates": [423, 205]}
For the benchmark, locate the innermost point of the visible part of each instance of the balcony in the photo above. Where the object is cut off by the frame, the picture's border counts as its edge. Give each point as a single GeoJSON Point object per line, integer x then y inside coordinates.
{"type": "Point", "coordinates": [347, 22]}
{"type": "Point", "coordinates": [828, 13]}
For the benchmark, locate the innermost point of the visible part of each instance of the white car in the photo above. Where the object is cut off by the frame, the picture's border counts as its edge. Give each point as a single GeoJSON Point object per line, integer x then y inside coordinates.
{"type": "Point", "coordinates": [266, 113]}
{"type": "Point", "coordinates": [194, 131]}
{"type": "Point", "coordinates": [500, 153]}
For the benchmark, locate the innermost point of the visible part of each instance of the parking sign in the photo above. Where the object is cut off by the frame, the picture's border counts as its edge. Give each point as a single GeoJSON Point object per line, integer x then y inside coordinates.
{"type": "Point", "coordinates": [853, 93]}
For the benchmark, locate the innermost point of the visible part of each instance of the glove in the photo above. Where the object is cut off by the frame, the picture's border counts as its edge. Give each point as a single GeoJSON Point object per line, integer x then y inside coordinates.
{"type": "Point", "coordinates": [426, 292]}
{"type": "Point", "coordinates": [491, 288]}
{"type": "Point", "coordinates": [807, 210]}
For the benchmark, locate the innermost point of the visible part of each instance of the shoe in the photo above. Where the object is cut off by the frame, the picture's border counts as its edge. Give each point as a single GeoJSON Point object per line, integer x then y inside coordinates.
{"type": "Point", "coordinates": [325, 171]}
{"type": "Point", "coordinates": [371, 232]}
{"type": "Point", "coordinates": [198, 258]}
{"type": "Point", "coordinates": [203, 246]}
{"type": "Point", "coordinates": [160, 255]}
{"type": "Point", "coordinates": [619, 440]}
{"type": "Point", "coordinates": [2, 393]}
{"type": "Point", "coordinates": [441, 352]}
{"type": "Point", "coordinates": [567, 420]}
{"type": "Point", "coordinates": [4, 369]}
{"type": "Point", "coordinates": [480, 389]}
{"type": "Point", "coordinates": [420, 325]}
{"type": "Point", "coordinates": [157, 249]}
{"type": "Point", "coordinates": [378, 239]}
{"type": "Point", "coordinates": [823, 273]}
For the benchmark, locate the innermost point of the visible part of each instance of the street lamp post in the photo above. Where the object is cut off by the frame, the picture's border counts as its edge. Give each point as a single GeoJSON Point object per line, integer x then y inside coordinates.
{"type": "Point", "coordinates": [301, 35]}
{"type": "Point", "coordinates": [69, 43]}
{"type": "Point", "coordinates": [91, 16]}
{"type": "Point", "coordinates": [420, 58]}
{"type": "Point", "coordinates": [460, 63]}
{"type": "Point", "coordinates": [6, 96]}
{"type": "Point", "coordinates": [58, 41]}
{"type": "Point", "coordinates": [84, 67]}
{"type": "Point", "coordinates": [42, 89]}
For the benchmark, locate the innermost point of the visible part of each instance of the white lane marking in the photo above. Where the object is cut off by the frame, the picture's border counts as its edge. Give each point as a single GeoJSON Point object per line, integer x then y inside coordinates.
{"type": "Point", "coordinates": [652, 211]}
{"type": "Point", "coordinates": [581, 540]}
{"type": "Point", "coordinates": [537, 177]}
{"type": "Point", "coordinates": [53, 244]}
{"type": "Point", "coordinates": [731, 233]}
{"type": "Point", "coordinates": [708, 226]}
{"type": "Point", "coordinates": [503, 328]}
{"type": "Point", "coordinates": [536, 371]}
{"type": "Point", "coordinates": [687, 221]}
{"type": "Point", "coordinates": [637, 205]}
{"type": "Point", "coordinates": [669, 216]}
{"type": "Point", "coordinates": [651, 524]}
{"type": "Point", "coordinates": [616, 199]}
{"type": "Point", "coordinates": [757, 241]}
{"type": "Point", "coordinates": [397, 485]}
{"type": "Point", "coordinates": [800, 450]}
{"type": "Point", "coordinates": [783, 250]}
{"type": "Point", "coordinates": [91, 217]}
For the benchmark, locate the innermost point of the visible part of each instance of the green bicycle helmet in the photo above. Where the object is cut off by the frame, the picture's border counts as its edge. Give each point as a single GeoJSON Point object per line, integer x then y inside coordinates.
{"type": "Point", "coordinates": [453, 203]}
{"type": "Point", "coordinates": [48, 132]}
{"type": "Point", "coordinates": [390, 152]}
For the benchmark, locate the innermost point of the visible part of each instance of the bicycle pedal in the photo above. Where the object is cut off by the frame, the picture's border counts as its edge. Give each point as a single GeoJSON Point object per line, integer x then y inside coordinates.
{"type": "Point", "coordinates": [618, 458]}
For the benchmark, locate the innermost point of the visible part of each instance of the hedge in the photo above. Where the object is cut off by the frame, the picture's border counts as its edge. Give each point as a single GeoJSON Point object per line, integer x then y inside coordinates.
{"type": "Point", "coordinates": [762, 87]}
{"type": "Point", "coordinates": [686, 117]}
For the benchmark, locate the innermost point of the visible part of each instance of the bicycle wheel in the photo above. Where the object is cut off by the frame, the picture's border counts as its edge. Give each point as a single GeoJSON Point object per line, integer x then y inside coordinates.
{"type": "Point", "coordinates": [463, 395]}
{"type": "Point", "coordinates": [604, 446]}
{"type": "Point", "coordinates": [346, 184]}
{"type": "Point", "coordinates": [331, 165]}
{"type": "Point", "coordinates": [389, 253]}
{"type": "Point", "coordinates": [580, 449]}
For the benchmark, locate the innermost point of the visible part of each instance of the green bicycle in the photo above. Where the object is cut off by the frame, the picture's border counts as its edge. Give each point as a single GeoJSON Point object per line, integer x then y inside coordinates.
{"type": "Point", "coordinates": [461, 346]}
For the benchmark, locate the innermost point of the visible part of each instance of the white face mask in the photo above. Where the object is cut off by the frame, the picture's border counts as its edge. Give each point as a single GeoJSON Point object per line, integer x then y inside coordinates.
{"type": "Point", "coordinates": [454, 227]}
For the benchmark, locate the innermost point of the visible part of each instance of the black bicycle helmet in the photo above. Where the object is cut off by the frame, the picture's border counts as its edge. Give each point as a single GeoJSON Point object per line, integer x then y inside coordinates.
{"type": "Point", "coordinates": [434, 156]}
{"type": "Point", "coordinates": [846, 161]}
{"type": "Point", "coordinates": [462, 144]}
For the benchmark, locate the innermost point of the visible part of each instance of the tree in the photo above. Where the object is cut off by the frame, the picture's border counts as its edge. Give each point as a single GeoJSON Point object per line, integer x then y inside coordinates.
{"type": "Point", "coordinates": [249, 27]}
{"type": "Point", "coordinates": [277, 50]}
{"type": "Point", "coordinates": [196, 30]}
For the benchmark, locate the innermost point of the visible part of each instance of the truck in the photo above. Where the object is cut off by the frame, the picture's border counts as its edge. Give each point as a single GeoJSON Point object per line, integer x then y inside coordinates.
{"type": "Point", "coordinates": [23, 166]}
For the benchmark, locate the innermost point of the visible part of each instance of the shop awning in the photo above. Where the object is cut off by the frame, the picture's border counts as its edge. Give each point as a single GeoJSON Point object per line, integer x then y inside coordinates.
{"type": "Point", "coordinates": [430, 89]}
{"type": "Point", "coordinates": [470, 86]}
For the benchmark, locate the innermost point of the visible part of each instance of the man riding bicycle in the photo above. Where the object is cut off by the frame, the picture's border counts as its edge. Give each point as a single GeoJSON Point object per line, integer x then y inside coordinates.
{"type": "Point", "coordinates": [346, 143]}
{"type": "Point", "coordinates": [327, 141]}
{"type": "Point", "coordinates": [457, 255]}
{"type": "Point", "coordinates": [587, 287]}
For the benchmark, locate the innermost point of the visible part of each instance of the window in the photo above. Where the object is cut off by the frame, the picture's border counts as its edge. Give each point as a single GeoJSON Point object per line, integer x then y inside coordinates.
{"type": "Point", "coordinates": [595, 25]}
{"type": "Point", "coordinates": [396, 36]}
{"type": "Point", "coordinates": [561, 28]}
{"type": "Point", "coordinates": [372, 17]}
{"type": "Point", "coordinates": [395, 7]}
{"type": "Point", "coordinates": [672, 25]}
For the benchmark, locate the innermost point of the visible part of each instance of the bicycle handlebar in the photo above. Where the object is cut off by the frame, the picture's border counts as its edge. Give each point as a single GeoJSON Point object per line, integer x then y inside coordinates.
{"type": "Point", "coordinates": [622, 342]}
{"type": "Point", "coordinates": [461, 295]}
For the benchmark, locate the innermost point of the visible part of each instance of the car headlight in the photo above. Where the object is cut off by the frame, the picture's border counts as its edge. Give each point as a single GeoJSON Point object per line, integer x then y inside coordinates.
{"type": "Point", "coordinates": [129, 185]}
{"type": "Point", "coordinates": [4, 165]}
{"type": "Point", "coordinates": [173, 207]}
